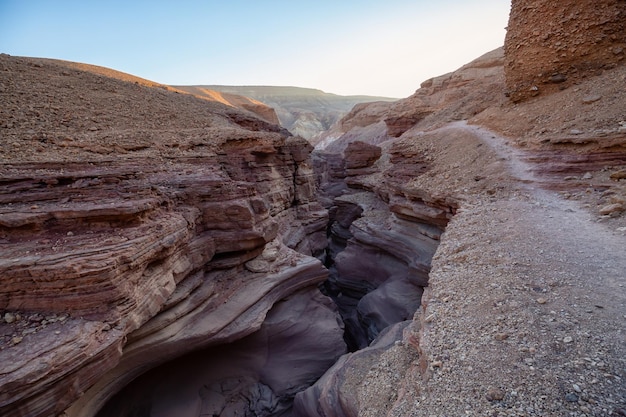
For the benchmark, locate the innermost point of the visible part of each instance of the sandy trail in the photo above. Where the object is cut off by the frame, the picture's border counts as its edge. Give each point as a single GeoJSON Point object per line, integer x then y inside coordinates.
{"type": "Point", "coordinates": [528, 295]}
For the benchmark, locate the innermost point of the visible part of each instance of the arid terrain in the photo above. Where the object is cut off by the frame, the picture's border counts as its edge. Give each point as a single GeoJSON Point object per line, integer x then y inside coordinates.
{"type": "Point", "coordinates": [460, 252]}
{"type": "Point", "coordinates": [305, 112]}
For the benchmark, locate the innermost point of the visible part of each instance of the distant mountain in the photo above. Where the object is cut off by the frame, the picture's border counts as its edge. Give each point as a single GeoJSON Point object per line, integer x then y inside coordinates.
{"type": "Point", "coordinates": [306, 112]}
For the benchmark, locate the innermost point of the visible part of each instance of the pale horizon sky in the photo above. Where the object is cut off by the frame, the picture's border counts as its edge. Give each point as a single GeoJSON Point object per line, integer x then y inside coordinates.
{"type": "Point", "coordinates": [347, 47]}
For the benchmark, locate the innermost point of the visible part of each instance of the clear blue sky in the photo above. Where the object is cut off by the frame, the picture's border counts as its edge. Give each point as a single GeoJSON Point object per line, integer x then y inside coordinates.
{"type": "Point", "coordinates": [340, 46]}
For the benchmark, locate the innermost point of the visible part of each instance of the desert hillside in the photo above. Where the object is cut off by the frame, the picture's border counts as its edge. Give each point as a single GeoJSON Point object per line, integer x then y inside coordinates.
{"type": "Point", "coordinates": [304, 112]}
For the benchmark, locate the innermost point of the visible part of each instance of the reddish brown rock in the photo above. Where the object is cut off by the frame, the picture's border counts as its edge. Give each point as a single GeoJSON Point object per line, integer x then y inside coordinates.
{"type": "Point", "coordinates": [127, 214]}
{"type": "Point", "coordinates": [454, 96]}
{"type": "Point", "coordinates": [553, 45]}
{"type": "Point", "coordinates": [361, 155]}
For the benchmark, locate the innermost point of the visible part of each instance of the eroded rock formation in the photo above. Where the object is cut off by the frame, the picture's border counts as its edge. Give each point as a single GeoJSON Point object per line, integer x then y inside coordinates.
{"type": "Point", "coordinates": [183, 231]}
{"type": "Point", "coordinates": [256, 375]}
{"type": "Point", "coordinates": [125, 246]}
{"type": "Point", "coordinates": [552, 45]}
{"type": "Point", "coordinates": [492, 290]}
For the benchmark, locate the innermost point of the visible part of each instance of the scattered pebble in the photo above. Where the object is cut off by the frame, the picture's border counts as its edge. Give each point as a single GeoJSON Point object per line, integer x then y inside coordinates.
{"type": "Point", "coordinates": [568, 339]}
{"type": "Point", "coordinates": [611, 208]}
{"type": "Point", "coordinates": [571, 397]}
{"type": "Point", "coordinates": [619, 175]}
{"type": "Point", "coordinates": [9, 317]}
{"type": "Point", "coordinates": [591, 98]}
{"type": "Point", "coordinates": [495, 394]}
{"type": "Point", "coordinates": [542, 300]}
{"type": "Point", "coordinates": [257, 266]}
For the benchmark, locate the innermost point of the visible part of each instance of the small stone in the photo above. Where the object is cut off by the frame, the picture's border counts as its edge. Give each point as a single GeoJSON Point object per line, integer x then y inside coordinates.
{"type": "Point", "coordinates": [587, 176]}
{"type": "Point", "coordinates": [568, 339]}
{"type": "Point", "coordinates": [576, 132]}
{"type": "Point", "coordinates": [591, 99]}
{"type": "Point", "coordinates": [257, 266]}
{"type": "Point", "coordinates": [577, 388]}
{"type": "Point", "coordinates": [429, 319]}
{"type": "Point", "coordinates": [571, 398]}
{"type": "Point", "coordinates": [501, 336]}
{"type": "Point", "coordinates": [437, 364]}
{"type": "Point", "coordinates": [70, 233]}
{"type": "Point", "coordinates": [16, 340]}
{"type": "Point", "coordinates": [35, 318]}
{"type": "Point", "coordinates": [9, 317]}
{"type": "Point", "coordinates": [611, 208]}
{"type": "Point", "coordinates": [541, 300]}
{"type": "Point", "coordinates": [270, 254]}
{"type": "Point", "coordinates": [619, 175]}
{"type": "Point", "coordinates": [558, 78]}
{"type": "Point", "coordinates": [495, 394]}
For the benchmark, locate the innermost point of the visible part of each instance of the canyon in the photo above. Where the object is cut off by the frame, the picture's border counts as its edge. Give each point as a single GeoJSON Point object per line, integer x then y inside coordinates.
{"type": "Point", "coordinates": [305, 112]}
{"type": "Point", "coordinates": [457, 252]}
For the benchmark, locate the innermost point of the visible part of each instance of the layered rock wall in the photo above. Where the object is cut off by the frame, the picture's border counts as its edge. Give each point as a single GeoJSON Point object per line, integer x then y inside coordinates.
{"type": "Point", "coordinates": [130, 237]}
{"type": "Point", "coordinates": [552, 45]}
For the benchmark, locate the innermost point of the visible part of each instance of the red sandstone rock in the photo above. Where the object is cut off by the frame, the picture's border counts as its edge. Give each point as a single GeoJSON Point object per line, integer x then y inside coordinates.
{"type": "Point", "coordinates": [553, 45]}
{"type": "Point", "coordinates": [136, 232]}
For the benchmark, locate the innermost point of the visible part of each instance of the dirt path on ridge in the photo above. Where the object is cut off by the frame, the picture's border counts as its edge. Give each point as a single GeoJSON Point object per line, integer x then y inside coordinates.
{"type": "Point", "coordinates": [526, 310]}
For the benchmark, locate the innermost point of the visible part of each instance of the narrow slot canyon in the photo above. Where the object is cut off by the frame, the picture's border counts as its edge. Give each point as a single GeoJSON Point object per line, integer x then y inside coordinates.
{"type": "Point", "coordinates": [183, 252]}
{"type": "Point", "coordinates": [377, 266]}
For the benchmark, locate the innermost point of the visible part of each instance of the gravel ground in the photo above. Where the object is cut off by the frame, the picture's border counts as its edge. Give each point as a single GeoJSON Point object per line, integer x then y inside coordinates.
{"type": "Point", "coordinates": [525, 314]}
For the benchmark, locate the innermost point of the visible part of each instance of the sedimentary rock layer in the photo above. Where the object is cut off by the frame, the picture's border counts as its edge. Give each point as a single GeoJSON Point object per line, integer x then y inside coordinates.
{"type": "Point", "coordinates": [137, 241]}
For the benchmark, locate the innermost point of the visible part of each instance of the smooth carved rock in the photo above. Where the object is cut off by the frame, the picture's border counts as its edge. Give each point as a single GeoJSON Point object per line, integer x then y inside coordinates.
{"type": "Point", "coordinates": [380, 265]}
{"type": "Point", "coordinates": [337, 392]}
{"type": "Point", "coordinates": [299, 339]}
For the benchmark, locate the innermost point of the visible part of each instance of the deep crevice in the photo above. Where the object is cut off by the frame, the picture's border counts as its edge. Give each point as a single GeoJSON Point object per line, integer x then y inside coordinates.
{"type": "Point", "coordinates": [378, 265]}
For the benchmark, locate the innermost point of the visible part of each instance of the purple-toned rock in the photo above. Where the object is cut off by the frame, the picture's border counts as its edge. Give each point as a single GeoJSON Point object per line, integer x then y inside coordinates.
{"type": "Point", "coordinates": [301, 337]}
{"type": "Point", "coordinates": [336, 394]}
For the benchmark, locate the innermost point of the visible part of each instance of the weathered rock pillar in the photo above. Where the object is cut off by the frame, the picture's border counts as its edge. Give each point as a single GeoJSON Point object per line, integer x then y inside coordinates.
{"type": "Point", "coordinates": [550, 45]}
